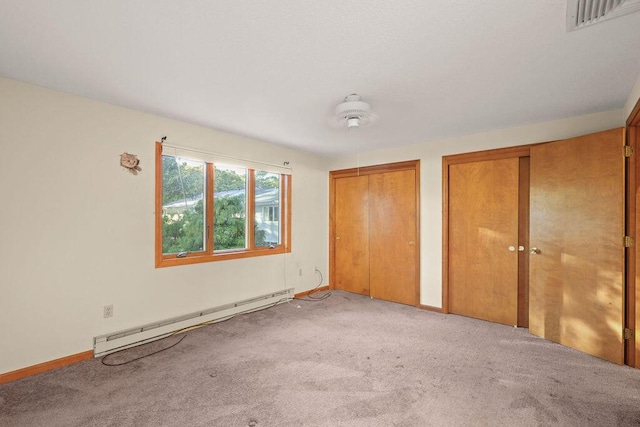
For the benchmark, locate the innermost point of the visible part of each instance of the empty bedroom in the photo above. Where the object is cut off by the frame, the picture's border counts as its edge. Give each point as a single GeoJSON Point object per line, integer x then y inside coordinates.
{"type": "Point", "coordinates": [338, 213]}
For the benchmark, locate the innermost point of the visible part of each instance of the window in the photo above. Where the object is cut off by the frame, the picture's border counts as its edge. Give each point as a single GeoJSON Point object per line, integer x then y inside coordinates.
{"type": "Point", "coordinates": [206, 208]}
{"type": "Point", "coordinates": [229, 208]}
{"type": "Point", "coordinates": [267, 203]}
{"type": "Point", "coordinates": [183, 201]}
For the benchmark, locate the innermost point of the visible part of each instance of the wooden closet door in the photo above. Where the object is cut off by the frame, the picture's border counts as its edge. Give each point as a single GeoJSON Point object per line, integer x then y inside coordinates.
{"type": "Point", "coordinates": [352, 234]}
{"type": "Point", "coordinates": [576, 271]}
{"type": "Point", "coordinates": [393, 236]}
{"type": "Point", "coordinates": [483, 240]}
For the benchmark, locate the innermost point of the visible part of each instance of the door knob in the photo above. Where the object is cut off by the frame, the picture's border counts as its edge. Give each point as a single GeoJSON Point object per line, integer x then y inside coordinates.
{"type": "Point", "coordinates": [534, 251]}
{"type": "Point", "coordinates": [512, 248]}
{"type": "Point", "coordinates": [520, 248]}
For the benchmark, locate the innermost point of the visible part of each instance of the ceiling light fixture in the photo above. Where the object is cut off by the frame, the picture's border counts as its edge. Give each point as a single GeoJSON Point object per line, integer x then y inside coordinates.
{"type": "Point", "coordinates": [353, 113]}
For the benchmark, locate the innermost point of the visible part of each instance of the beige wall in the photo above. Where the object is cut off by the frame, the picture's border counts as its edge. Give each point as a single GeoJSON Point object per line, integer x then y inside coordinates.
{"type": "Point", "coordinates": [78, 230]}
{"type": "Point", "coordinates": [430, 156]}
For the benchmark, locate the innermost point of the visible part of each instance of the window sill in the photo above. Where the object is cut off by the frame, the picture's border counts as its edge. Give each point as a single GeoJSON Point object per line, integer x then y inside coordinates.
{"type": "Point", "coordinates": [172, 260]}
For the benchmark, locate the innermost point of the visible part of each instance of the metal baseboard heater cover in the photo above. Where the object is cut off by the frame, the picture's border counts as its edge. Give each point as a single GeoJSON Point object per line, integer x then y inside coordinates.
{"type": "Point", "coordinates": [116, 341]}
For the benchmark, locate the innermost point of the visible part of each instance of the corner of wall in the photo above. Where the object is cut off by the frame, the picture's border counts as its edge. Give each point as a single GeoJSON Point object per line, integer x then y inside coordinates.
{"type": "Point", "coordinates": [632, 100]}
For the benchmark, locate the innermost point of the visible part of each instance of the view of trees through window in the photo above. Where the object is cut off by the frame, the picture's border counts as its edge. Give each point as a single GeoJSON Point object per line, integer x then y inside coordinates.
{"type": "Point", "coordinates": [229, 208]}
{"type": "Point", "coordinates": [183, 217]}
{"type": "Point", "coordinates": [183, 206]}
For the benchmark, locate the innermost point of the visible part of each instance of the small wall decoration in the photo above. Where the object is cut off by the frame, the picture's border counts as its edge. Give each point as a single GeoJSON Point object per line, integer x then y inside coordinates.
{"type": "Point", "coordinates": [130, 162]}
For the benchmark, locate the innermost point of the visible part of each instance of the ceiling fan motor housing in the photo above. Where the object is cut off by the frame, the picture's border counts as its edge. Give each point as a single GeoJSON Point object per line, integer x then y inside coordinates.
{"type": "Point", "coordinates": [354, 112]}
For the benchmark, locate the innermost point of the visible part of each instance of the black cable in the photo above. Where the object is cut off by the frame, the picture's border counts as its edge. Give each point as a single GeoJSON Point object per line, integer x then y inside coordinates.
{"type": "Point", "coordinates": [310, 297]}
{"type": "Point", "coordinates": [143, 356]}
{"type": "Point", "coordinates": [223, 319]}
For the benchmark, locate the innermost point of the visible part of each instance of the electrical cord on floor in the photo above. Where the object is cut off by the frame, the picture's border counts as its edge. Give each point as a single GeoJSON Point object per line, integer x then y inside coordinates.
{"type": "Point", "coordinates": [185, 330]}
{"type": "Point", "coordinates": [143, 356]}
{"type": "Point", "coordinates": [310, 297]}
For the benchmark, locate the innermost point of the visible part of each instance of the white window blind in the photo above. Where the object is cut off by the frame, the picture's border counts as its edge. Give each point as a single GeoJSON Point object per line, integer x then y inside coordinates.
{"type": "Point", "coordinates": [222, 159]}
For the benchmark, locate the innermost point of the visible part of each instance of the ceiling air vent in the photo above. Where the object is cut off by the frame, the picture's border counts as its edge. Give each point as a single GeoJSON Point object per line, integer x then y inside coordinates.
{"type": "Point", "coordinates": [582, 13]}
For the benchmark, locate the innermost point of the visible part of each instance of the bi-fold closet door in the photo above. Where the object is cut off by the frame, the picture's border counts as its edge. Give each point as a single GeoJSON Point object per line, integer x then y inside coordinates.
{"type": "Point", "coordinates": [535, 236]}
{"type": "Point", "coordinates": [374, 232]}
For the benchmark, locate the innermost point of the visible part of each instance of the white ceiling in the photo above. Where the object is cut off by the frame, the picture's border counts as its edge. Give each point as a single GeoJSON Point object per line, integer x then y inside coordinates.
{"type": "Point", "coordinates": [275, 70]}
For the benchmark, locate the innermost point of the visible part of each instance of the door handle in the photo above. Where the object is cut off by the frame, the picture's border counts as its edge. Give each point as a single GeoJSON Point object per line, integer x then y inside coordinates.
{"type": "Point", "coordinates": [520, 248]}
{"type": "Point", "coordinates": [534, 251]}
{"type": "Point", "coordinates": [512, 248]}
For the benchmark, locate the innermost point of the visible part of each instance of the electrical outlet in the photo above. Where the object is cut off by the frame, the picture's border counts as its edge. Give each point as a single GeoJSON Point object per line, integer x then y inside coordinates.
{"type": "Point", "coordinates": [108, 311]}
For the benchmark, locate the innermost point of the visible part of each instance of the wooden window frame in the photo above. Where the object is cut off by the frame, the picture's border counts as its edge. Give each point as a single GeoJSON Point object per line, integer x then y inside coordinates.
{"type": "Point", "coordinates": [209, 254]}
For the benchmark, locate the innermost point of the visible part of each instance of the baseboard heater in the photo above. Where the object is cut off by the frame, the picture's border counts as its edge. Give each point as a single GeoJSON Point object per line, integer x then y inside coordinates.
{"type": "Point", "coordinates": [116, 341]}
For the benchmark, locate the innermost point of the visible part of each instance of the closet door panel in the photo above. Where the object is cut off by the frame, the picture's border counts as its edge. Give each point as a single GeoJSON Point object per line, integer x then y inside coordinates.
{"type": "Point", "coordinates": [483, 240]}
{"type": "Point", "coordinates": [576, 282]}
{"type": "Point", "coordinates": [352, 234]}
{"type": "Point", "coordinates": [393, 236]}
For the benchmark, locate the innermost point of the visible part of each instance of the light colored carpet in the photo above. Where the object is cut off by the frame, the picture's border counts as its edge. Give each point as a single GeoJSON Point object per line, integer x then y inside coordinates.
{"type": "Point", "coordinates": [345, 361]}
